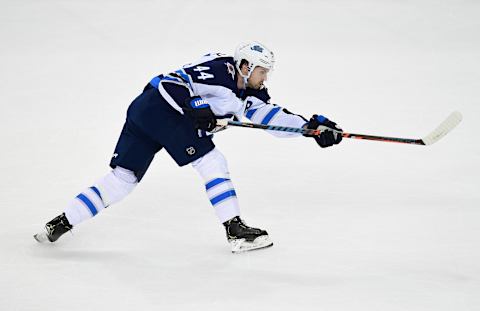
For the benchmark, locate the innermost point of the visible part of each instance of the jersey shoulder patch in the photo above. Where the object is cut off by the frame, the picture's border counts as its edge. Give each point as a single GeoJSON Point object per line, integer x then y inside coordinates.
{"type": "Point", "coordinates": [218, 70]}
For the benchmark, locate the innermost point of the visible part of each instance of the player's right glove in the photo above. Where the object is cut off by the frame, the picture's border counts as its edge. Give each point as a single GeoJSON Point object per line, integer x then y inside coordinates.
{"type": "Point", "coordinates": [327, 137]}
{"type": "Point", "coordinates": [200, 112]}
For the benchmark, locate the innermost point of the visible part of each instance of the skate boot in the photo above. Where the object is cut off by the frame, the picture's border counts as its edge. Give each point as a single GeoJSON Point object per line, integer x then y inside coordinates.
{"type": "Point", "coordinates": [243, 238]}
{"type": "Point", "coordinates": [54, 229]}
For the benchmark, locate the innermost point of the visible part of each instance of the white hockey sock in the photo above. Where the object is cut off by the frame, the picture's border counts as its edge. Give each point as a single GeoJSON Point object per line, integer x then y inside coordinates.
{"type": "Point", "coordinates": [109, 189]}
{"type": "Point", "coordinates": [223, 197]}
{"type": "Point", "coordinates": [214, 171]}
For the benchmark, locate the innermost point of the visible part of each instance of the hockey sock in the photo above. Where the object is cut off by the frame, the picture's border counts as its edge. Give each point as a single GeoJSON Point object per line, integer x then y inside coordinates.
{"type": "Point", "coordinates": [214, 171]}
{"type": "Point", "coordinates": [109, 189]}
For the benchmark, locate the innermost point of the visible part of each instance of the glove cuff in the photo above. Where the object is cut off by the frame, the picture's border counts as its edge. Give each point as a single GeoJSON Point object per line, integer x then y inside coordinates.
{"type": "Point", "coordinates": [197, 102]}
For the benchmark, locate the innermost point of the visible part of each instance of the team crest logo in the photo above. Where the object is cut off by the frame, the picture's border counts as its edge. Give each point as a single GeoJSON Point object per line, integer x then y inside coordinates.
{"type": "Point", "coordinates": [231, 70]}
{"type": "Point", "coordinates": [257, 48]}
{"type": "Point", "coordinates": [190, 150]}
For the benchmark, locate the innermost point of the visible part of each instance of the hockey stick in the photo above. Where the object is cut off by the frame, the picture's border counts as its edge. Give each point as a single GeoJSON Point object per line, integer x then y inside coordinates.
{"type": "Point", "coordinates": [446, 126]}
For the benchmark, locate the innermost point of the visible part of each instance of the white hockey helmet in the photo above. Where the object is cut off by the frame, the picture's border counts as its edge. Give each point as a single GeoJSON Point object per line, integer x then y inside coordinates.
{"type": "Point", "coordinates": [256, 54]}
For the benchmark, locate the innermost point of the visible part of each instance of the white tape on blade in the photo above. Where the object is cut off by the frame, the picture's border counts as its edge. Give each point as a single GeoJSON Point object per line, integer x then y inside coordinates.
{"type": "Point", "coordinates": [446, 126]}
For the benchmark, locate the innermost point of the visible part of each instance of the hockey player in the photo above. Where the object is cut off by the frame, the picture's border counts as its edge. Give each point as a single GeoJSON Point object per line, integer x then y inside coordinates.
{"type": "Point", "coordinates": [178, 111]}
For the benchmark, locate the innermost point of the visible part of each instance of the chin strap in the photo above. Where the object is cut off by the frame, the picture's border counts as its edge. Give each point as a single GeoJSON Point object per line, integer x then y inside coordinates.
{"type": "Point", "coordinates": [245, 80]}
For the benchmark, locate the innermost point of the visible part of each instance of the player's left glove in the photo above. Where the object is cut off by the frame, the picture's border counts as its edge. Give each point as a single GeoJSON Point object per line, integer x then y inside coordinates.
{"type": "Point", "coordinates": [327, 137]}
{"type": "Point", "coordinates": [201, 113]}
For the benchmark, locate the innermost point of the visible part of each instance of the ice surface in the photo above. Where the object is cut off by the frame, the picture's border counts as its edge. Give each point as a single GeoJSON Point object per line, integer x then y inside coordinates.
{"type": "Point", "coordinates": [362, 226]}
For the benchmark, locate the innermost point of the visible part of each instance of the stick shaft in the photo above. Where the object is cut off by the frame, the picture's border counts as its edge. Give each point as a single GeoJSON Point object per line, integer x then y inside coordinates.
{"type": "Point", "coordinates": [411, 141]}
{"type": "Point", "coordinates": [317, 132]}
{"type": "Point", "coordinates": [440, 131]}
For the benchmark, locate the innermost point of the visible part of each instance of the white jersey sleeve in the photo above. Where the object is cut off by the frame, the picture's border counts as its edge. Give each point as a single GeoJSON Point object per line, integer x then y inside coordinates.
{"type": "Point", "coordinates": [259, 110]}
{"type": "Point", "coordinates": [222, 101]}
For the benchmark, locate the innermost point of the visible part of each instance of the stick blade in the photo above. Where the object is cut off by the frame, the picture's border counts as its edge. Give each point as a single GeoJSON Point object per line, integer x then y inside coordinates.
{"type": "Point", "coordinates": [446, 126]}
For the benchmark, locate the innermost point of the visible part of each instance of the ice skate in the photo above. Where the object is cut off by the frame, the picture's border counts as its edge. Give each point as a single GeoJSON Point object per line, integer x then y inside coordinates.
{"type": "Point", "coordinates": [243, 238]}
{"type": "Point", "coordinates": [54, 229]}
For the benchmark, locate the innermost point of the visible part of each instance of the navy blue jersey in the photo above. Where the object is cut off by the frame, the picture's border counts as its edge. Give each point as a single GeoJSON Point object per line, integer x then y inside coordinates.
{"type": "Point", "coordinates": [213, 77]}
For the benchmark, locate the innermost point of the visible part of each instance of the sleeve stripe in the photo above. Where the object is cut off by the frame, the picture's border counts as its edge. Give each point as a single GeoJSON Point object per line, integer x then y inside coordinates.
{"type": "Point", "coordinates": [183, 75]}
{"type": "Point", "coordinates": [270, 115]}
{"type": "Point", "coordinates": [250, 113]}
{"type": "Point", "coordinates": [155, 82]}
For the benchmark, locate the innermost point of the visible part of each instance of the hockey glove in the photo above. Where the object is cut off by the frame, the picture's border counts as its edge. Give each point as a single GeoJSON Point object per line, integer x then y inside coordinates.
{"type": "Point", "coordinates": [199, 110]}
{"type": "Point", "coordinates": [327, 137]}
{"type": "Point", "coordinates": [221, 125]}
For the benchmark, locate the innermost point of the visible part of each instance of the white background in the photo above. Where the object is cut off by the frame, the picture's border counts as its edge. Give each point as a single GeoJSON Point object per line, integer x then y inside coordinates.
{"type": "Point", "coordinates": [361, 226]}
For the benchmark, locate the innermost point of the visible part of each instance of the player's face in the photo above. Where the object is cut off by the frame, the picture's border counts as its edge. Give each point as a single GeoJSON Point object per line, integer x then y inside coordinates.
{"type": "Point", "coordinates": [258, 76]}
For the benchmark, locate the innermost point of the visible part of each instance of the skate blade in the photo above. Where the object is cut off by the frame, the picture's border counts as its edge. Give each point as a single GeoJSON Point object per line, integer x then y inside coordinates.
{"type": "Point", "coordinates": [41, 237]}
{"type": "Point", "coordinates": [241, 245]}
